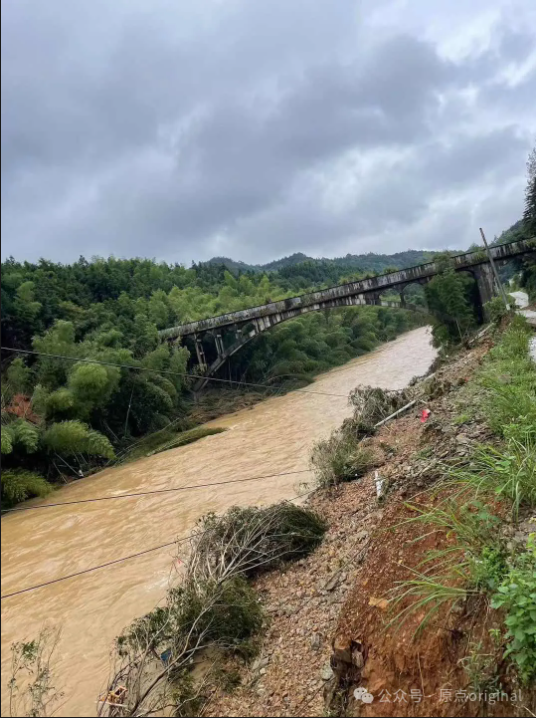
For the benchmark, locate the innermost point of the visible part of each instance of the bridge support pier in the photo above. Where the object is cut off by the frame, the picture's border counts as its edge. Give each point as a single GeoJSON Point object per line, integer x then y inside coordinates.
{"type": "Point", "coordinates": [200, 351]}
{"type": "Point", "coordinates": [249, 323]}
{"type": "Point", "coordinates": [486, 288]}
{"type": "Point", "coordinates": [372, 298]}
{"type": "Point", "coordinates": [219, 345]}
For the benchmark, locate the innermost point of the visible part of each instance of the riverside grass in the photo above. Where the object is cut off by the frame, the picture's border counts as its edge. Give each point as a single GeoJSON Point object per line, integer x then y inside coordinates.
{"type": "Point", "coordinates": [499, 479]}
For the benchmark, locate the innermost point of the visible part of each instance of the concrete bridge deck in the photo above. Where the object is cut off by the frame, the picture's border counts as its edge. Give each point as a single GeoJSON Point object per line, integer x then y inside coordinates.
{"type": "Point", "coordinates": [364, 291]}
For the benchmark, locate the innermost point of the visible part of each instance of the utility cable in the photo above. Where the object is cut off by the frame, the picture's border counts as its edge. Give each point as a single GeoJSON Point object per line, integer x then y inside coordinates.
{"type": "Point", "coordinates": [53, 581]}
{"type": "Point", "coordinates": [155, 491]}
{"type": "Point", "coordinates": [90, 570]}
{"type": "Point", "coordinates": [157, 371]}
{"type": "Point", "coordinates": [177, 541]}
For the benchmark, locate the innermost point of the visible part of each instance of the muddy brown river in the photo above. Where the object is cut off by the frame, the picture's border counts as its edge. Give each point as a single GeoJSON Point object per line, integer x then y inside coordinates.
{"type": "Point", "coordinates": [272, 437]}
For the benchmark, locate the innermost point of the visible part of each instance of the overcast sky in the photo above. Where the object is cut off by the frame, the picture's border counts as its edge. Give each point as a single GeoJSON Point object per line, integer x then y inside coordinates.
{"type": "Point", "coordinates": [252, 129]}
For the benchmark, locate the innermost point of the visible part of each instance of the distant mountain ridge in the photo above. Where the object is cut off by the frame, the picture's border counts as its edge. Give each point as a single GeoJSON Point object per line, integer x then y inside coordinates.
{"type": "Point", "coordinates": [365, 262]}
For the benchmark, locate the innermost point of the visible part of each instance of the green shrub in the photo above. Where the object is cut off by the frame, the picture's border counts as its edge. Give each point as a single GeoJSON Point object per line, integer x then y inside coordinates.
{"type": "Point", "coordinates": [517, 596]}
{"type": "Point", "coordinates": [214, 606]}
{"type": "Point", "coordinates": [341, 458]}
{"type": "Point", "coordinates": [186, 697]}
{"type": "Point", "coordinates": [495, 309]}
{"type": "Point", "coordinates": [514, 341]}
{"type": "Point", "coordinates": [449, 297]}
{"type": "Point", "coordinates": [20, 432]}
{"type": "Point", "coordinates": [72, 437]}
{"type": "Point", "coordinates": [234, 612]}
{"type": "Point", "coordinates": [7, 440]}
{"type": "Point", "coordinates": [219, 613]}
{"type": "Point", "coordinates": [488, 568]}
{"type": "Point", "coordinates": [19, 485]}
{"type": "Point", "coordinates": [60, 400]}
{"type": "Point", "coordinates": [25, 434]}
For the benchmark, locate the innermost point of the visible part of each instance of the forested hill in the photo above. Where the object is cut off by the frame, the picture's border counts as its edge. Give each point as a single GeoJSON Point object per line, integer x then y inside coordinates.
{"type": "Point", "coordinates": [74, 404]}
{"type": "Point", "coordinates": [370, 262]}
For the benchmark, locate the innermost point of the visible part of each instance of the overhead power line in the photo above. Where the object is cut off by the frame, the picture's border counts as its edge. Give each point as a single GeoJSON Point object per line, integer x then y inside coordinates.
{"type": "Point", "coordinates": [167, 545]}
{"type": "Point", "coordinates": [90, 570]}
{"type": "Point", "coordinates": [157, 371]}
{"type": "Point", "coordinates": [114, 562]}
{"type": "Point", "coordinates": [155, 491]}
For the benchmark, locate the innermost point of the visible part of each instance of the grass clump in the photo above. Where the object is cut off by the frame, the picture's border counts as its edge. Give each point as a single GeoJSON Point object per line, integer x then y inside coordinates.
{"type": "Point", "coordinates": [187, 437]}
{"type": "Point", "coordinates": [473, 560]}
{"type": "Point", "coordinates": [508, 471]}
{"type": "Point", "coordinates": [166, 439]}
{"type": "Point", "coordinates": [344, 456]}
{"type": "Point", "coordinates": [372, 404]}
{"type": "Point", "coordinates": [340, 458]}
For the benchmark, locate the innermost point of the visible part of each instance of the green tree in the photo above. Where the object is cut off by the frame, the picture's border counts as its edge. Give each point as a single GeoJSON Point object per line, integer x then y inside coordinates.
{"type": "Point", "coordinates": [528, 271]}
{"type": "Point", "coordinates": [529, 216]}
{"type": "Point", "coordinates": [19, 377]}
{"type": "Point", "coordinates": [449, 299]}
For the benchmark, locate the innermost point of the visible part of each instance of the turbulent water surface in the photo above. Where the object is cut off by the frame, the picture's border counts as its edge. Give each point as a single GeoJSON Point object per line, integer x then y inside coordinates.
{"type": "Point", "coordinates": [37, 546]}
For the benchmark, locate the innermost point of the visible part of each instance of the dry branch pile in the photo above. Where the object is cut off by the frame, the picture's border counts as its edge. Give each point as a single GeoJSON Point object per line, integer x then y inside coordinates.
{"type": "Point", "coordinates": [214, 607]}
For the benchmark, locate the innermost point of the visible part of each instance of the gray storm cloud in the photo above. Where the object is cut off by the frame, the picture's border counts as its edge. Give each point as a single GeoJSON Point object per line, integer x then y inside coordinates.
{"type": "Point", "coordinates": [255, 129]}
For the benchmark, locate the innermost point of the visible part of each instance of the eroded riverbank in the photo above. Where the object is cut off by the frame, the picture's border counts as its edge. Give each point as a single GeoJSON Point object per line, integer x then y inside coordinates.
{"type": "Point", "coordinates": [272, 437]}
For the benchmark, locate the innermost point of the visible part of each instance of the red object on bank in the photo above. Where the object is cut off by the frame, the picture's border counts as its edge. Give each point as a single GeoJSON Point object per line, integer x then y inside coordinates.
{"type": "Point", "coordinates": [425, 415]}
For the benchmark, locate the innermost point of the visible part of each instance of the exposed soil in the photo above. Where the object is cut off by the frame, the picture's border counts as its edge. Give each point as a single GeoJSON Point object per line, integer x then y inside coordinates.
{"type": "Point", "coordinates": [329, 622]}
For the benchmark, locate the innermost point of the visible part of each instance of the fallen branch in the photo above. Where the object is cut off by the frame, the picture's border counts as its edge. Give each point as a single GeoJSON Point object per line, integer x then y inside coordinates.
{"type": "Point", "coordinates": [396, 413]}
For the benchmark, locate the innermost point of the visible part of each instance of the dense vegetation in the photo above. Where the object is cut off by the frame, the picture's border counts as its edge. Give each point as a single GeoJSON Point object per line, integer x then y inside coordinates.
{"type": "Point", "coordinates": [63, 415]}
{"type": "Point", "coordinates": [495, 488]}
{"type": "Point", "coordinates": [452, 298]}
{"type": "Point", "coordinates": [528, 270]}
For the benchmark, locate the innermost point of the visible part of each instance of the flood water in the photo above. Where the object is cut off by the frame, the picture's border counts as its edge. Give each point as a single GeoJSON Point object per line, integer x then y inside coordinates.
{"type": "Point", "coordinates": [272, 437]}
